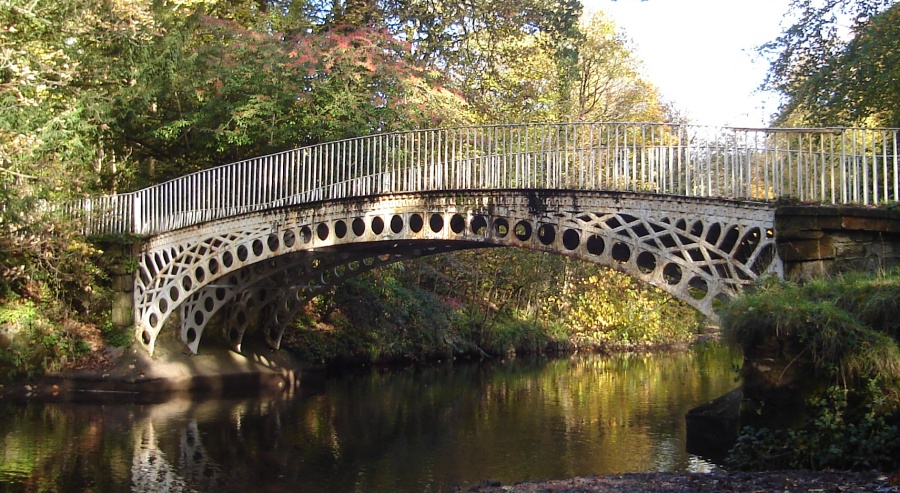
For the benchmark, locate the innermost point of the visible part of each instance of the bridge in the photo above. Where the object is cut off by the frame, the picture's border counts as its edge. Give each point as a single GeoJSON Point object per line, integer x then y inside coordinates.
{"type": "Point", "coordinates": [688, 209]}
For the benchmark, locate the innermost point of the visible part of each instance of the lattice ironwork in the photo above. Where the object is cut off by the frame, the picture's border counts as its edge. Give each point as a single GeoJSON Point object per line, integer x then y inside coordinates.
{"type": "Point", "coordinates": [271, 262]}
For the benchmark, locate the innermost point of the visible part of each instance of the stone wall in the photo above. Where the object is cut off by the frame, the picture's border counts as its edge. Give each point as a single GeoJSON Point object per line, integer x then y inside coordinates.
{"type": "Point", "coordinates": [817, 241]}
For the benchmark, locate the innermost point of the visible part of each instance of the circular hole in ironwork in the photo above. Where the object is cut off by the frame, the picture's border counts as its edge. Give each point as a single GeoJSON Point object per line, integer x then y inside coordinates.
{"type": "Point", "coordinates": [698, 288]}
{"type": "Point", "coordinates": [546, 234]}
{"type": "Point", "coordinates": [501, 228]}
{"type": "Point", "coordinates": [595, 245]}
{"type": "Point", "coordinates": [479, 225]}
{"type": "Point", "coordinates": [340, 270]}
{"type": "Point", "coordinates": [153, 320]}
{"type": "Point", "coordinates": [571, 239]}
{"type": "Point", "coordinates": [396, 224]}
{"type": "Point", "coordinates": [672, 274]}
{"type": "Point", "coordinates": [186, 283]}
{"type": "Point", "coordinates": [200, 274]}
{"type": "Point", "coordinates": [289, 238]}
{"type": "Point", "coordinates": [770, 233]}
{"type": "Point", "coordinates": [358, 226]}
{"type": "Point", "coordinates": [377, 225]}
{"type": "Point", "coordinates": [646, 262]}
{"type": "Point", "coordinates": [621, 253]}
{"type": "Point", "coordinates": [192, 334]}
{"type": "Point", "coordinates": [340, 229]}
{"type": "Point", "coordinates": [353, 265]}
{"type": "Point", "coordinates": [457, 224]}
{"type": "Point", "coordinates": [199, 317]}
{"type": "Point", "coordinates": [174, 293]}
{"type": "Point", "coordinates": [213, 266]}
{"type": "Point", "coordinates": [145, 337]}
{"type": "Point", "coordinates": [315, 263]}
{"type": "Point", "coordinates": [322, 231]}
{"type": "Point", "coordinates": [163, 305]}
{"type": "Point", "coordinates": [436, 222]}
{"type": "Point", "coordinates": [416, 223]}
{"type": "Point", "coordinates": [242, 253]}
{"type": "Point", "coordinates": [273, 242]}
{"type": "Point", "coordinates": [233, 335]}
{"type": "Point", "coordinates": [227, 259]}
{"type": "Point", "coordinates": [257, 247]}
{"type": "Point", "coordinates": [523, 230]}
{"type": "Point", "coordinates": [220, 294]}
{"type": "Point", "coordinates": [305, 234]}
{"type": "Point", "coordinates": [209, 304]}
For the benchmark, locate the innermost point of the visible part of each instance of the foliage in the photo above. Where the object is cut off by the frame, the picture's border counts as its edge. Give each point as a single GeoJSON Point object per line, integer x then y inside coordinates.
{"type": "Point", "coordinates": [845, 328]}
{"type": "Point", "coordinates": [609, 85]}
{"type": "Point", "coordinates": [31, 343]}
{"type": "Point", "coordinates": [831, 78]}
{"type": "Point", "coordinates": [839, 438]}
{"type": "Point", "coordinates": [227, 93]}
{"type": "Point", "coordinates": [375, 318]}
{"type": "Point", "coordinates": [609, 310]}
{"type": "Point", "coordinates": [515, 301]}
{"type": "Point", "coordinates": [830, 328]}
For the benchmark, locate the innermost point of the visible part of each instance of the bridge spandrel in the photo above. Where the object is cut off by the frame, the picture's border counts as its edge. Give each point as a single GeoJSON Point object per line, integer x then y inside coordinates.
{"type": "Point", "coordinates": [270, 262]}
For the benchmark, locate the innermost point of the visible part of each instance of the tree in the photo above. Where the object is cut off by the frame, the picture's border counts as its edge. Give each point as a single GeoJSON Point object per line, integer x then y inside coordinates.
{"type": "Point", "coordinates": [829, 76]}
{"type": "Point", "coordinates": [609, 86]}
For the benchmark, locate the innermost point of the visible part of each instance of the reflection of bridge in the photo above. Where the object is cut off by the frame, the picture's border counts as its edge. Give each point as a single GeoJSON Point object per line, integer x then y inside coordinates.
{"type": "Point", "coordinates": [688, 209]}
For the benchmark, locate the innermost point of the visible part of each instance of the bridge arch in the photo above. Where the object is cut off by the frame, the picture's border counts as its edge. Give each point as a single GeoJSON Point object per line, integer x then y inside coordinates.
{"type": "Point", "coordinates": [272, 261]}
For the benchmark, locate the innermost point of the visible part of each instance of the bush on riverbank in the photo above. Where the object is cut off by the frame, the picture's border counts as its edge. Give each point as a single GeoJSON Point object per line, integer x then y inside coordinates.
{"type": "Point", "coordinates": [845, 331]}
{"type": "Point", "coordinates": [51, 298]}
{"type": "Point", "coordinates": [487, 303]}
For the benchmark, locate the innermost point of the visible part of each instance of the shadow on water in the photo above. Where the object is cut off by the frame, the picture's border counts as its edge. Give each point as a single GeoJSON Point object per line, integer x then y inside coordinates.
{"type": "Point", "coordinates": [417, 430]}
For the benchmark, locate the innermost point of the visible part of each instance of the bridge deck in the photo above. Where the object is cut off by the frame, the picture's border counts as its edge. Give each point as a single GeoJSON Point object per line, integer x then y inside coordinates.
{"type": "Point", "coordinates": [828, 165]}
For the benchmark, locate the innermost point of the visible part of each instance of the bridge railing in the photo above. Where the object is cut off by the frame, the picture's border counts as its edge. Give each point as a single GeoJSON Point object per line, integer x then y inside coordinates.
{"type": "Point", "coordinates": [831, 165]}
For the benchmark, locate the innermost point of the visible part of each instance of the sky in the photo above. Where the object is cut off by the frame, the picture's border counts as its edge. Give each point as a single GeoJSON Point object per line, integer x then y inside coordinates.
{"type": "Point", "coordinates": [702, 54]}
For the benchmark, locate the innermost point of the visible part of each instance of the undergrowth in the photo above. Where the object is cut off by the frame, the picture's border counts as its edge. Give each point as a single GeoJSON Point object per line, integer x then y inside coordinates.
{"type": "Point", "coordinates": [846, 329]}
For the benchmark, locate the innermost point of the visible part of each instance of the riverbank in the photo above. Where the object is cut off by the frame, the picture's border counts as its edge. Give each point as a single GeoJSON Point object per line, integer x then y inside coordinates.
{"type": "Point", "coordinates": [132, 373]}
{"type": "Point", "coordinates": [662, 482]}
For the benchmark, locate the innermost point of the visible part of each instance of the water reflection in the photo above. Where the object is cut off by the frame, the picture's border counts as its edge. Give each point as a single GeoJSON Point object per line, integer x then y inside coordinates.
{"type": "Point", "coordinates": [417, 430]}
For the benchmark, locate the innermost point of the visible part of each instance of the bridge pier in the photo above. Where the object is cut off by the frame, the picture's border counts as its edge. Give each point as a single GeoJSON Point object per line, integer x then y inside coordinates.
{"type": "Point", "coordinates": [123, 260]}
{"type": "Point", "coordinates": [821, 241]}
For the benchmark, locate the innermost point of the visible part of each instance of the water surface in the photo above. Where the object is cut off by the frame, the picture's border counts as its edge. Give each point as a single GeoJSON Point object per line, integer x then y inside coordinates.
{"type": "Point", "coordinates": [417, 430]}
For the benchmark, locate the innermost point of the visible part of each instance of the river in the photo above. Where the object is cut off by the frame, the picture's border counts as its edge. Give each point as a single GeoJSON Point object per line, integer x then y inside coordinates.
{"type": "Point", "coordinates": [429, 429]}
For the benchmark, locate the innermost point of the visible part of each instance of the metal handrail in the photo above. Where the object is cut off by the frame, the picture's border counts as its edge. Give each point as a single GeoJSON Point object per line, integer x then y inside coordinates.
{"type": "Point", "coordinates": [820, 165]}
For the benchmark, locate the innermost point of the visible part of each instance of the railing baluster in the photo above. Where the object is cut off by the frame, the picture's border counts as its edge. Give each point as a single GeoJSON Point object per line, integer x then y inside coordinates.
{"type": "Point", "coordinates": [849, 165]}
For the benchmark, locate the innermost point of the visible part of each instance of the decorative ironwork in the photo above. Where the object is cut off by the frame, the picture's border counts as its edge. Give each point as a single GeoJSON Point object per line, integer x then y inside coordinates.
{"type": "Point", "coordinates": [264, 266]}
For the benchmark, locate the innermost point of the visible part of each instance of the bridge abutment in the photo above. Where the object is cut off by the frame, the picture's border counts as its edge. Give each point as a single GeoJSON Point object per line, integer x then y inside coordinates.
{"type": "Point", "coordinates": [820, 241]}
{"type": "Point", "coordinates": [123, 256]}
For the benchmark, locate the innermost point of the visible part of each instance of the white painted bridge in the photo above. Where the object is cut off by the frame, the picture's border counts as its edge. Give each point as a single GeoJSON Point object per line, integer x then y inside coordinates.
{"type": "Point", "coordinates": [688, 209]}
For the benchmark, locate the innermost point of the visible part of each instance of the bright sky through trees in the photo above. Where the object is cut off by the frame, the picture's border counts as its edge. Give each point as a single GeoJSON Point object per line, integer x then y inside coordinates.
{"type": "Point", "coordinates": [702, 53]}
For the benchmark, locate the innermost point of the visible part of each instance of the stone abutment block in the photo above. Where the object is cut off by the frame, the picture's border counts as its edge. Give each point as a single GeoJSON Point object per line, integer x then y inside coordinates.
{"type": "Point", "coordinates": [817, 241]}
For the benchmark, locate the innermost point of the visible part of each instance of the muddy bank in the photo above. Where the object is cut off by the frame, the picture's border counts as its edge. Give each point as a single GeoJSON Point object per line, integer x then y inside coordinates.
{"type": "Point", "coordinates": [759, 482]}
